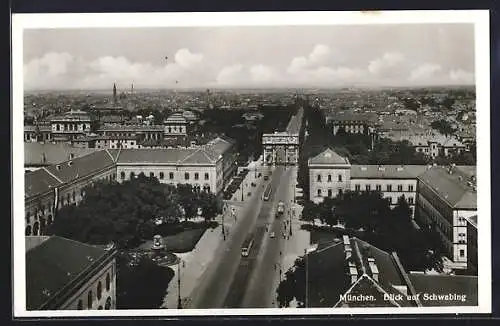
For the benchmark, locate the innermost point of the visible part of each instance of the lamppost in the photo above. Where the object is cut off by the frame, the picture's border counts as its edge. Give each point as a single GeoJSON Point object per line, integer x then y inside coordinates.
{"type": "Point", "coordinates": [179, 303]}
{"type": "Point", "coordinates": [307, 277]}
{"type": "Point", "coordinates": [224, 213]}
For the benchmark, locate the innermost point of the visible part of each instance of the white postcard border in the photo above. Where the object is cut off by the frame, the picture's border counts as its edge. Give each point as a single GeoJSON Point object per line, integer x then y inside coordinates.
{"type": "Point", "coordinates": [480, 18]}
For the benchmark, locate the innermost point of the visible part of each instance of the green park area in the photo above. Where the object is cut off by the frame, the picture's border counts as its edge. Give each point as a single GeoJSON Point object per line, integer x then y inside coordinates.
{"type": "Point", "coordinates": [130, 214]}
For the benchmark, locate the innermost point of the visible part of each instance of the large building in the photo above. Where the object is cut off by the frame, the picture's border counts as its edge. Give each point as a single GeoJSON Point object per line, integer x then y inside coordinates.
{"type": "Point", "coordinates": [38, 155]}
{"type": "Point", "coordinates": [71, 125]}
{"type": "Point", "coordinates": [331, 174]}
{"type": "Point", "coordinates": [52, 187]}
{"type": "Point", "coordinates": [208, 167]}
{"type": "Point", "coordinates": [352, 123]}
{"type": "Point", "coordinates": [63, 274]}
{"type": "Point", "coordinates": [446, 199]}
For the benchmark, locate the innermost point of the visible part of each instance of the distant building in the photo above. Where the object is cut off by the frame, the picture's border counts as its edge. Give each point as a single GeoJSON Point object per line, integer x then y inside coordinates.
{"type": "Point", "coordinates": [430, 143]}
{"type": "Point", "coordinates": [446, 198]}
{"type": "Point", "coordinates": [175, 124]}
{"type": "Point", "coordinates": [352, 273]}
{"type": "Point", "coordinates": [38, 133]}
{"type": "Point", "coordinates": [351, 123]}
{"type": "Point", "coordinates": [71, 125]}
{"type": "Point", "coordinates": [63, 274]}
{"type": "Point", "coordinates": [141, 132]}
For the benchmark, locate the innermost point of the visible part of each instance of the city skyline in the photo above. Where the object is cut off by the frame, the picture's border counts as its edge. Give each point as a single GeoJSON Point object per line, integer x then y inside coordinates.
{"type": "Point", "coordinates": [404, 55]}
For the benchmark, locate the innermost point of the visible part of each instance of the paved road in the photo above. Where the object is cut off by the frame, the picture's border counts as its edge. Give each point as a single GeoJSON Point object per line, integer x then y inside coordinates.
{"type": "Point", "coordinates": [216, 281]}
{"type": "Point", "coordinates": [261, 288]}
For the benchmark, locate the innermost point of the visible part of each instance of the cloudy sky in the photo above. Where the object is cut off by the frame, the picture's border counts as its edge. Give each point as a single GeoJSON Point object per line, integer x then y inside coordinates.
{"type": "Point", "coordinates": [285, 56]}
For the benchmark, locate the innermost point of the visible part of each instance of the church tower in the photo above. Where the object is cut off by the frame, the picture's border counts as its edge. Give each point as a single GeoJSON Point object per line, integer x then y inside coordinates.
{"type": "Point", "coordinates": [114, 93]}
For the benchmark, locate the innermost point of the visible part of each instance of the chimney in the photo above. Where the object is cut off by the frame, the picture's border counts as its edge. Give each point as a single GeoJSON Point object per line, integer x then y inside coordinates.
{"type": "Point", "coordinates": [373, 268]}
{"type": "Point", "coordinates": [353, 272]}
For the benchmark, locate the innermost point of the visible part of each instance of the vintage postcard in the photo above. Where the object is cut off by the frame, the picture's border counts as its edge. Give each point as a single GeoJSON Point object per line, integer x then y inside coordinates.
{"type": "Point", "coordinates": [273, 163]}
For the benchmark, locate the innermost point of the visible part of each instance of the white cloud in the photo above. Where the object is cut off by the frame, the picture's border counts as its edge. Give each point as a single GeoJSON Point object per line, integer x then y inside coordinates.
{"type": "Point", "coordinates": [188, 60]}
{"type": "Point", "coordinates": [62, 70]}
{"type": "Point", "coordinates": [389, 65]}
{"type": "Point", "coordinates": [230, 74]}
{"type": "Point", "coordinates": [461, 76]}
{"type": "Point", "coordinates": [263, 74]}
{"type": "Point", "coordinates": [425, 72]}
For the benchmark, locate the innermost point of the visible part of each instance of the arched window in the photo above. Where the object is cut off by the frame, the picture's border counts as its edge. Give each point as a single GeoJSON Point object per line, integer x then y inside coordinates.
{"type": "Point", "coordinates": [108, 282]}
{"type": "Point", "coordinates": [108, 303]}
{"type": "Point", "coordinates": [73, 195]}
{"type": "Point", "coordinates": [319, 178]}
{"type": "Point", "coordinates": [89, 300]}
{"type": "Point", "coordinates": [28, 230]}
{"type": "Point", "coordinates": [132, 175]}
{"type": "Point", "coordinates": [161, 175]}
{"type": "Point", "coordinates": [99, 290]}
{"type": "Point", "coordinates": [329, 178]}
{"type": "Point", "coordinates": [122, 175]}
{"type": "Point", "coordinates": [340, 177]}
{"type": "Point", "coordinates": [151, 174]}
{"type": "Point", "coordinates": [80, 305]}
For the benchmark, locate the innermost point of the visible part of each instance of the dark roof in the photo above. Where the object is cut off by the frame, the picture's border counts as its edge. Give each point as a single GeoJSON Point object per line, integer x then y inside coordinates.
{"type": "Point", "coordinates": [54, 264]}
{"type": "Point", "coordinates": [82, 166]}
{"type": "Point", "coordinates": [465, 287]}
{"type": "Point", "coordinates": [386, 171]}
{"type": "Point", "coordinates": [328, 156]}
{"type": "Point", "coordinates": [452, 187]}
{"type": "Point", "coordinates": [38, 182]}
{"type": "Point", "coordinates": [34, 153]}
{"type": "Point", "coordinates": [171, 155]}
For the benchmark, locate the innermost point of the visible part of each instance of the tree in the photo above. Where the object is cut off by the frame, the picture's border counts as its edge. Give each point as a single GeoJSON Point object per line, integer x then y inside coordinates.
{"type": "Point", "coordinates": [140, 285]}
{"type": "Point", "coordinates": [293, 285]}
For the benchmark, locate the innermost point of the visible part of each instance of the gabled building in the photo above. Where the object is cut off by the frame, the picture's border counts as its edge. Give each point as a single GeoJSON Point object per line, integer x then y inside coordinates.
{"type": "Point", "coordinates": [63, 274]}
{"type": "Point", "coordinates": [352, 273]}
{"type": "Point", "coordinates": [446, 198]}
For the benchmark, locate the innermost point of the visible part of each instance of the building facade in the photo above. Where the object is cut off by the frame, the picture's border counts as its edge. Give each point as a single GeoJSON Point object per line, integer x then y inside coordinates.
{"type": "Point", "coordinates": [71, 125]}
{"type": "Point", "coordinates": [331, 174]}
{"type": "Point", "coordinates": [446, 198]}
{"type": "Point", "coordinates": [176, 124]}
{"type": "Point", "coordinates": [50, 188]}
{"type": "Point", "coordinates": [63, 274]}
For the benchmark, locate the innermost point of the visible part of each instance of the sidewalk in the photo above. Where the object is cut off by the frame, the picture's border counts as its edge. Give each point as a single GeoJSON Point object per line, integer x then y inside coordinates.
{"type": "Point", "coordinates": [195, 262]}
{"type": "Point", "coordinates": [296, 244]}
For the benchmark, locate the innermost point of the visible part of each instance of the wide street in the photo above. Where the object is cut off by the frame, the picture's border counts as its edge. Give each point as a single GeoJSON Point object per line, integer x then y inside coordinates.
{"type": "Point", "coordinates": [215, 284]}
{"type": "Point", "coordinates": [235, 281]}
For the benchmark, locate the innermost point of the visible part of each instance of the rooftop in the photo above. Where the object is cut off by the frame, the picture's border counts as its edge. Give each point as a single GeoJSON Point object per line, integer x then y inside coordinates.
{"type": "Point", "coordinates": [450, 290]}
{"type": "Point", "coordinates": [82, 166]}
{"type": "Point", "coordinates": [456, 188]}
{"type": "Point", "coordinates": [54, 264]}
{"type": "Point", "coordinates": [386, 171]}
{"type": "Point", "coordinates": [38, 182]}
{"type": "Point", "coordinates": [49, 153]}
{"type": "Point", "coordinates": [328, 156]}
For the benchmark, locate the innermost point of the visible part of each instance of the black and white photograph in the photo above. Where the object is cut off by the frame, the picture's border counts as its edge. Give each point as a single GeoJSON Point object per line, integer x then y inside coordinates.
{"type": "Point", "coordinates": [251, 163]}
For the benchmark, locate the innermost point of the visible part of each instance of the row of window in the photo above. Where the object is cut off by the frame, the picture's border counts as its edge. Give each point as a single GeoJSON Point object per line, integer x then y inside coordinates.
{"type": "Point", "coordinates": [90, 296]}
{"type": "Point", "coordinates": [410, 200]}
{"type": "Point", "coordinates": [357, 187]}
{"type": "Point", "coordinates": [329, 178]}
{"type": "Point", "coordinates": [170, 175]}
